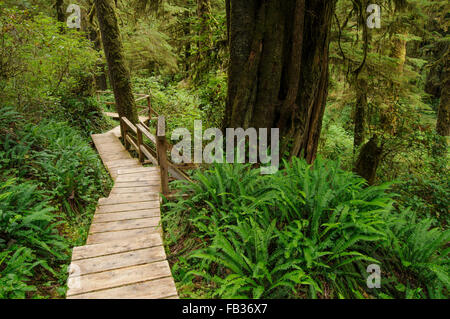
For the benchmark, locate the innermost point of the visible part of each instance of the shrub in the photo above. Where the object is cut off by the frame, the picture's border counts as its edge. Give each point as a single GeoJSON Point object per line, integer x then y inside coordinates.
{"type": "Point", "coordinates": [303, 231]}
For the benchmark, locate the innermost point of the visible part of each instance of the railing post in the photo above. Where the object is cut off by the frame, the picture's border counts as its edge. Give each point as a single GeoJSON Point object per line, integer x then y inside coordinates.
{"type": "Point", "coordinates": [140, 144]}
{"type": "Point", "coordinates": [124, 133]}
{"type": "Point", "coordinates": [161, 148]}
{"type": "Point", "coordinates": [149, 104]}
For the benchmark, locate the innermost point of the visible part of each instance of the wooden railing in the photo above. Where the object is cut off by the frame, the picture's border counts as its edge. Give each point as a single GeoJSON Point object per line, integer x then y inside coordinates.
{"type": "Point", "coordinates": [140, 97]}
{"type": "Point", "coordinates": [134, 137]}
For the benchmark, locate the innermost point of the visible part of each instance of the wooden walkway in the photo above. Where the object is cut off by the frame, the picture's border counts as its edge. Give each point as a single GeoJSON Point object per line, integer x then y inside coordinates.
{"type": "Point", "coordinates": [124, 256]}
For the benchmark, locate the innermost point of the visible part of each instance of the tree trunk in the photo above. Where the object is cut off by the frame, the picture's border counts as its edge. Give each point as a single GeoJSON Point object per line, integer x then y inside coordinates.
{"type": "Point", "coordinates": [360, 112]}
{"type": "Point", "coordinates": [368, 160]}
{"type": "Point", "coordinates": [93, 34]}
{"type": "Point", "coordinates": [118, 73]}
{"type": "Point", "coordinates": [60, 15]}
{"type": "Point", "coordinates": [203, 12]}
{"type": "Point", "coordinates": [278, 75]}
{"type": "Point", "coordinates": [443, 120]}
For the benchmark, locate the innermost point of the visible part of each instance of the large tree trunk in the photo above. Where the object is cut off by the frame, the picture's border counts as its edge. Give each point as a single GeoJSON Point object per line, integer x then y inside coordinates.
{"type": "Point", "coordinates": [443, 120]}
{"type": "Point", "coordinates": [118, 73]}
{"type": "Point", "coordinates": [278, 74]}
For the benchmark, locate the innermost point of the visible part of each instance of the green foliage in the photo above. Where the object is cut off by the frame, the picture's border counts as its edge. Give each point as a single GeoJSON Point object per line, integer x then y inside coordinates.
{"type": "Point", "coordinates": [427, 197]}
{"type": "Point", "coordinates": [28, 237]}
{"type": "Point", "coordinates": [83, 113]}
{"type": "Point", "coordinates": [305, 231]}
{"type": "Point", "coordinates": [40, 63]}
{"type": "Point", "coordinates": [213, 94]}
{"type": "Point", "coordinates": [46, 170]}
{"type": "Point", "coordinates": [17, 272]}
{"type": "Point", "coordinates": [175, 101]}
{"type": "Point", "coordinates": [415, 247]}
{"type": "Point", "coordinates": [70, 170]}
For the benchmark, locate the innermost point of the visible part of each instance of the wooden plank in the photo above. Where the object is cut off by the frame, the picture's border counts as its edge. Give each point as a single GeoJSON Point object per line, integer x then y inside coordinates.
{"type": "Point", "coordinates": [106, 146]}
{"type": "Point", "coordinates": [154, 289]}
{"type": "Point", "coordinates": [128, 198]}
{"type": "Point", "coordinates": [99, 238]}
{"type": "Point", "coordinates": [147, 174]}
{"type": "Point", "coordinates": [127, 207]}
{"type": "Point", "coordinates": [136, 214]}
{"type": "Point", "coordinates": [124, 225]}
{"type": "Point", "coordinates": [146, 132]}
{"type": "Point", "coordinates": [116, 116]}
{"type": "Point", "coordinates": [135, 190]}
{"type": "Point", "coordinates": [139, 169]}
{"type": "Point", "coordinates": [121, 163]}
{"type": "Point", "coordinates": [130, 125]}
{"type": "Point", "coordinates": [118, 278]}
{"type": "Point", "coordinates": [144, 97]}
{"type": "Point", "coordinates": [116, 247]}
{"type": "Point", "coordinates": [115, 131]}
{"type": "Point", "coordinates": [138, 178]}
{"type": "Point", "coordinates": [136, 184]}
{"type": "Point", "coordinates": [115, 156]}
{"type": "Point", "coordinates": [131, 258]}
{"type": "Point", "coordinates": [149, 155]}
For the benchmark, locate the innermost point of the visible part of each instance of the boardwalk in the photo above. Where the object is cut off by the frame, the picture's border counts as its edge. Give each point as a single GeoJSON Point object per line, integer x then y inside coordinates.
{"type": "Point", "coordinates": [124, 255]}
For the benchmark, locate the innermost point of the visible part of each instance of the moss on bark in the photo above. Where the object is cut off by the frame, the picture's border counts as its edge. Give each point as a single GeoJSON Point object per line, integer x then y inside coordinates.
{"type": "Point", "coordinates": [118, 73]}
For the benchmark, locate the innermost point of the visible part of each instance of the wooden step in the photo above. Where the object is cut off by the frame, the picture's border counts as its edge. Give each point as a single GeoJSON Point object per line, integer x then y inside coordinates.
{"type": "Point", "coordinates": [135, 190]}
{"type": "Point", "coordinates": [128, 198]}
{"type": "Point", "coordinates": [137, 184]}
{"type": "Point", "coordinates": [99, 238]}
{"type": "Point", "coordinates": [124, 225]}
{"type": "Point", "coordinates": [138, 178]}
{"type": "Point", "coordinates": [127, 207]}
{"type": "Point", "coordinates": [140, 169]}
{"type": "Point", "coordinates": [121, 163]}
{"type": "Point", "coordinates": [116, 247]}
{"type": "Point", "coordinates": [159, 288]}
{"type": "Point", "coordinates": [116, 261]}
{"type": "Point", "coordinates": [118, 278]}
{"type": "Point", "coordinates": [135, 214]}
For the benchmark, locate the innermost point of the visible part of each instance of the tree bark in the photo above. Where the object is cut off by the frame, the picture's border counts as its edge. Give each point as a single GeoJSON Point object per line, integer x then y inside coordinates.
{"type": "Point", "coordinates": [93, 34]}
{"type": "Point", "coordinates": [278, 76]}
{"type": "Point", "coordinates": [368, 160]}
{"type": "Point", "coordinates": [360, 112]}
{"type": "Point", "coordinates": [118, 73]}
{"type": "Point", "coordinates": [203, 12]}
{"type": "Point", "coordinates": [60, 14]}
{"type": "Point", "coordinates": [443, 119]}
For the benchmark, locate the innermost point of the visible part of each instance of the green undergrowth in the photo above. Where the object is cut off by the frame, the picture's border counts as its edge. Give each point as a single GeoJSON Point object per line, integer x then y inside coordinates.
{"type": "Point", "coordinates": [50, 181]}
{"type": "Point", "coordinates": [304, 232]}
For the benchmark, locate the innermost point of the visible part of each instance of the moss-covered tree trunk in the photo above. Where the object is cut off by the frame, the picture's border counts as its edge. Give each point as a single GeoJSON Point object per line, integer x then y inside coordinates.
{"type": "Point", "coordinates": [360, 112]}
{"type": "Point", "coordinates": [278, 75]}
{"type": "Point", "coordinates": [203, 13]}
{"type": "Point", "coordinates": [59, 6]}
{"type": "Point", "coordinates": [119, 75]}
{"type": "Point", "coordinates": [443, 120]}
{"type": "Point", "coordinates": [90, 26]}
{"type": "Point", "coordinates": [368, 160]}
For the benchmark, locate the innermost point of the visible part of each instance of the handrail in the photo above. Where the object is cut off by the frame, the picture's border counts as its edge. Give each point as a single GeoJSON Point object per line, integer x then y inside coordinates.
{"type": "Point", "coordinates": [141, 97]}
{"type": "Point", "coordinates": [133, 137]}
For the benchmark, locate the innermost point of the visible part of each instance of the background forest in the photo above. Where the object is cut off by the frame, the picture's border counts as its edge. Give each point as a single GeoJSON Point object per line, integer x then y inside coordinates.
{"type": "Point", "coordinates": [371, 188]}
